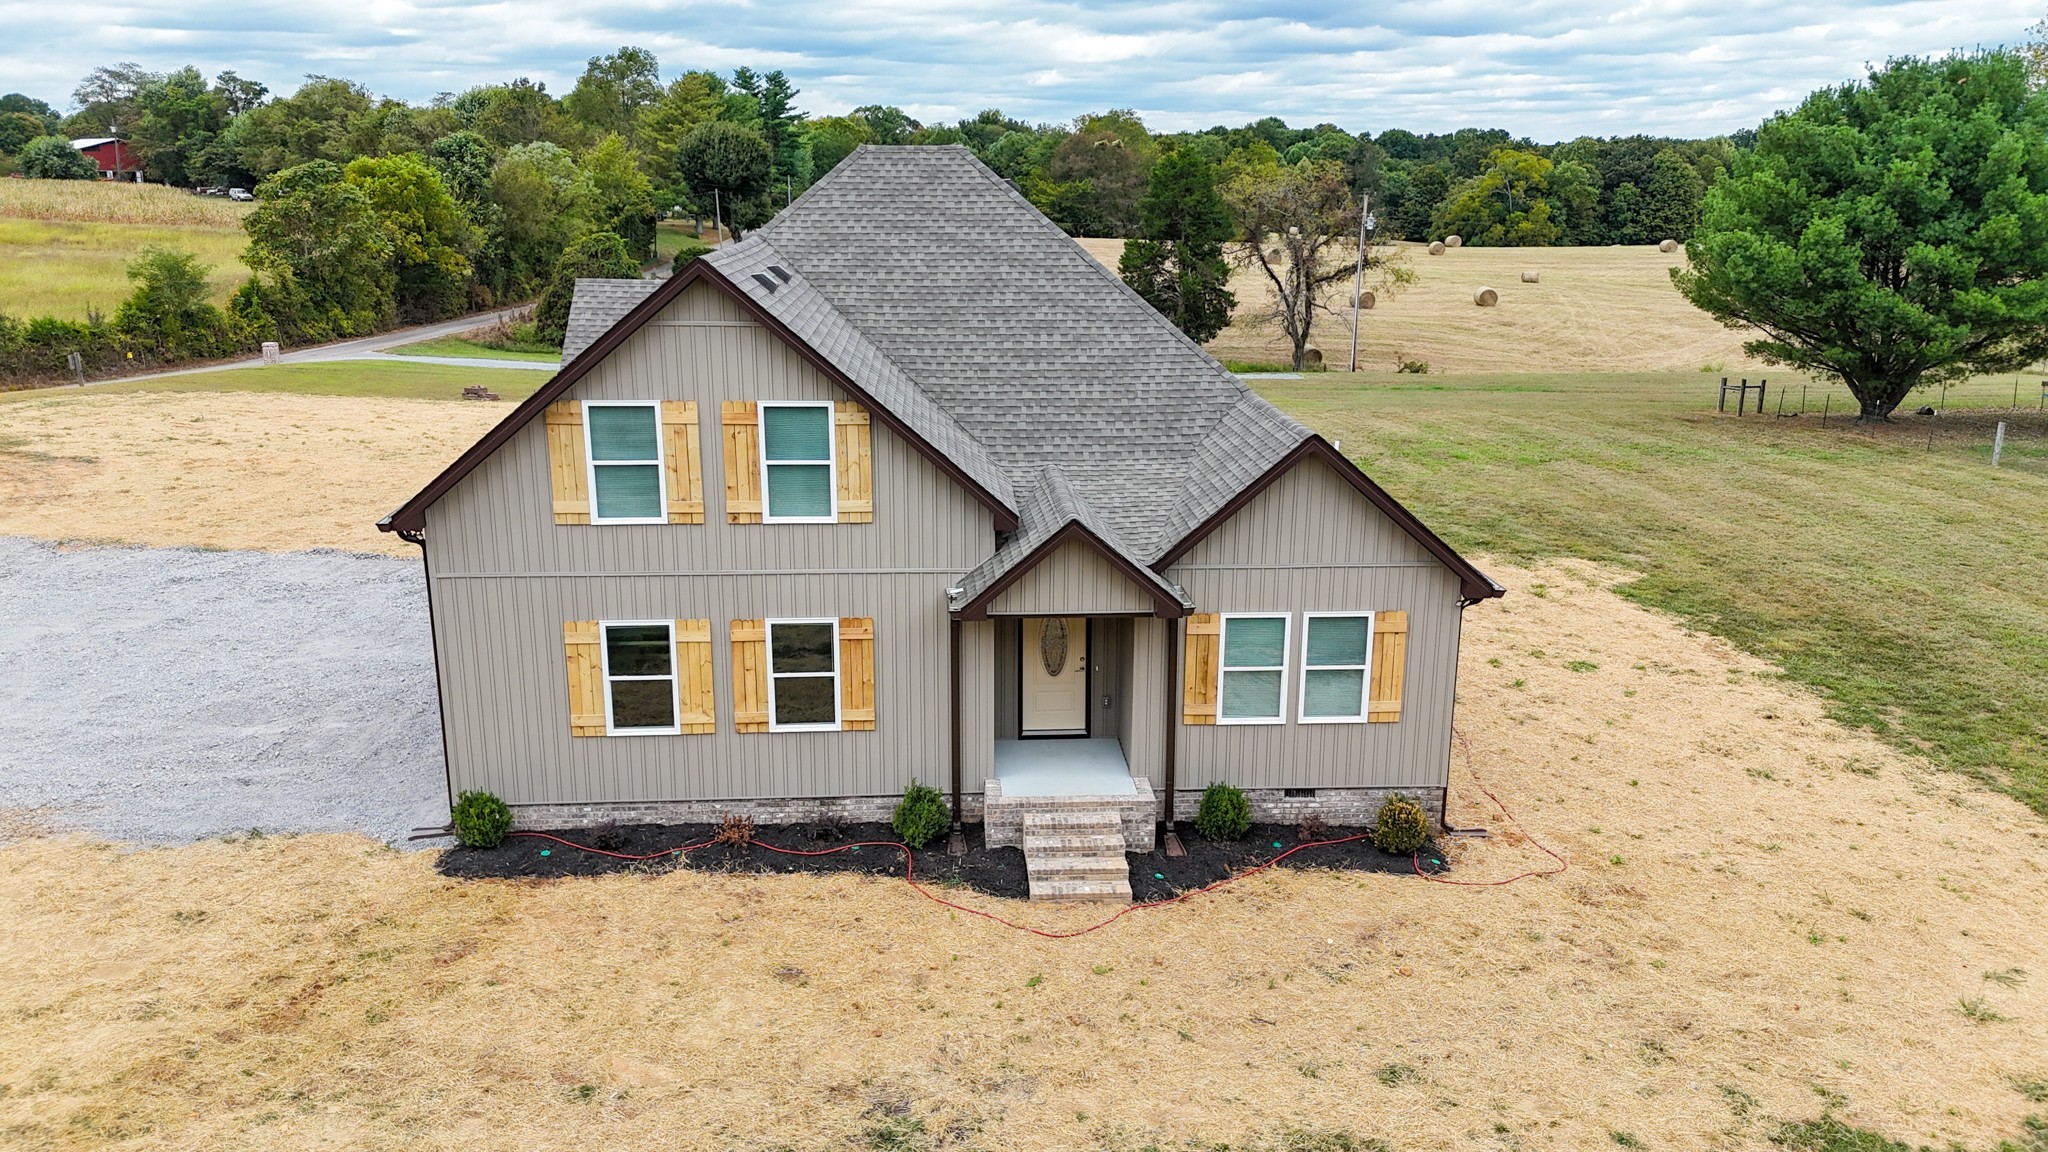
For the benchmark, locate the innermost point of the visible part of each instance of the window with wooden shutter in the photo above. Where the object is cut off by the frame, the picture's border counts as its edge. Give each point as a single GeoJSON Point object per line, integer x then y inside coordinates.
{"type": "Point", "coordinates": [1389, 661]}
{"type": "Point", "coordinates": [750, 675]}
{"type": "Point", "coordinates": [699, 715]}
{"type": "Point", "coordinates": [856, 464]}
{"type": "Point", "coordinates": [683, 460]}
{"type": "Point", "coordinates": [568, 475]}
{"type": "Point", "coordinates": [1200, 650]}
{"type": "Point", "coordinates": [856, 674]}
{"type": "Point", "coordinates": [583, 642]}
{"type": "Point", "coordinates": [742, 422]}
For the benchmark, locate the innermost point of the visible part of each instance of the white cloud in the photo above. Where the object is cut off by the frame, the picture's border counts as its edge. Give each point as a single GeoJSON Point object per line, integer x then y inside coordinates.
{"type": "Point", "coordinates": [1548, 69]}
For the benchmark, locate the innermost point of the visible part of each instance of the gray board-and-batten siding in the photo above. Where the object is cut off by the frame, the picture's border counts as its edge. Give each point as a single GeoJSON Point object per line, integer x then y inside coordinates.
{"type": "Point", "coordinates": [505, 577]}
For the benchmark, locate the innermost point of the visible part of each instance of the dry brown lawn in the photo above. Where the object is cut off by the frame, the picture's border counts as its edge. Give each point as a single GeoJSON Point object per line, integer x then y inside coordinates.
{"type": "Point", "coordinates": [1593, 310]}
{"type": "Point", "coordinates": [1764, 911]}
{"type": "Point", "coordinates": [262, 470]}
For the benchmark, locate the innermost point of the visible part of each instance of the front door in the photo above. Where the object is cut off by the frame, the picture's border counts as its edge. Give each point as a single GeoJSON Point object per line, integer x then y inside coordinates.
{"type": "Point", "coordinates": [1054, 683]}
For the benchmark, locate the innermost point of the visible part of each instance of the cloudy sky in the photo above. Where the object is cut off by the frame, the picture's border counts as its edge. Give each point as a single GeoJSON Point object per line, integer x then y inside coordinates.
{"type": "Point", "coordinates": [1549, 69]}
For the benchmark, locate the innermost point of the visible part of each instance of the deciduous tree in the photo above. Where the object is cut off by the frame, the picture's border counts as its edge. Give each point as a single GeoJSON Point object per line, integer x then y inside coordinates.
{"type": "Point", "coordinates": [731, 160]}
{"type": "Point", "coordinates": [1891, 233]}
{"type": "Point", "coordinates": [429, 238]}
{"type": "Point", "coordinates": [53, 158]}
{"type": "Point", "coordinates": [322, 260]}
{"type": "Point", "coordinates": [599, 255]}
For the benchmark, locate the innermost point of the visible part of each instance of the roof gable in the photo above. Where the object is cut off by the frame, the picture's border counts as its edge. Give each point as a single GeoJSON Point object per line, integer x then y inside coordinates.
{"type": "Point", "coordinates": [410, 518]}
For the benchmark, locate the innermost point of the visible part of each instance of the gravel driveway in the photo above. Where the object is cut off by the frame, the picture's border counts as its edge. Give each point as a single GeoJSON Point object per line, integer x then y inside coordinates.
{"type": "Point", "coordinates": [164, 695]}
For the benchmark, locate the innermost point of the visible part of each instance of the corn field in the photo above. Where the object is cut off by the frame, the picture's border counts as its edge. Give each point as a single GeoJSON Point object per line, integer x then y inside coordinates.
{"type": "Point", "coordinates": [107, 202]}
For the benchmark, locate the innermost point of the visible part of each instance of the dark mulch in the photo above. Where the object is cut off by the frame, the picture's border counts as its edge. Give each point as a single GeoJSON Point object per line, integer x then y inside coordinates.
{"type": "Point", "coordinates": [1155, 876]}
{"type": "Point", "coordinates": [994, 871]}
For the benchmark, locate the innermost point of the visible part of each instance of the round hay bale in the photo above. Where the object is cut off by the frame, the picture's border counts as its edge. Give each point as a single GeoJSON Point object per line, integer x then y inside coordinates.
{"type": "Point", "coordinates": [1364, 300]}
{"type": "Point", "coordinates": [1311, 357]}
{"type": "Point", "coordinates": [1454, 241]}
{"type": "Point", "coordinates": [1531, 277]}
{"type": "Point", "coordinates": [1486, 297]}
{"type": "Point", "coordinates": [1668, 246]}
{"type": "Point", "coordinates": [1436, 247]}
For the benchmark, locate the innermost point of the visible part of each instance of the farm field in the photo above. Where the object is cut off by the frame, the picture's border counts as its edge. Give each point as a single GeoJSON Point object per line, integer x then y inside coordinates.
{"type": "Point", "coordinates": [65, 245]}
{"type": "Point", "coordinates": [1770, 916]}
{"type": "Point", "coordinates": [1593, 310]}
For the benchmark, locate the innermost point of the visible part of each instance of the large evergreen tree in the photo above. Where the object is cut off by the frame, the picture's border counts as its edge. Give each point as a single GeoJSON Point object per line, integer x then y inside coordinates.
{"type": "Point", "coordinates": [1177, 262]}
{"type": "Point", "coordinates": [1892, 233]}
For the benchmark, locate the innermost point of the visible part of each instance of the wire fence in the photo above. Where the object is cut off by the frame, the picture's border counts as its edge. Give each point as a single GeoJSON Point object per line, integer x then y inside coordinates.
{"type": "Point", "coordinates": [1968, 427]}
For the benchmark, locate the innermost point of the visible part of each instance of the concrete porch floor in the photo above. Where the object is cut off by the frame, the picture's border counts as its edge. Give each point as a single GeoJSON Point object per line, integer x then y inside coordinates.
{"type": "Point", "coordinates": [1060, 767]}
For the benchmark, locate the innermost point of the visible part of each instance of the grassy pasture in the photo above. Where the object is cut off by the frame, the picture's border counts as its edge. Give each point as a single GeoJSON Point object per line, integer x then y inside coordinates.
{"type": "Point", "coordinates": [461, 347]}
{"type": "Point", "coordinates": [68, 268]}
{"type": "Point", "coordinates": [1904, 584]}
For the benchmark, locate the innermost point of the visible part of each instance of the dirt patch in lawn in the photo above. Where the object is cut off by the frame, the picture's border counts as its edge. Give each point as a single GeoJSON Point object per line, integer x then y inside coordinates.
{"type": "Point", "coordinates": [870, 849]}
{"type": "Point", "coordinates": [259, 470]}
{"type": "Point", "coordinates": [1765, 912]}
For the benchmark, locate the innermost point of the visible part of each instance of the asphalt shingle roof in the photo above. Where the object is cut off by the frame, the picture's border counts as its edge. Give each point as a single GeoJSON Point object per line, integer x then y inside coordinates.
{"type": "Point", "coordinates": [596, 306]}
{"type": "Point", "coordinates": [932, 283]}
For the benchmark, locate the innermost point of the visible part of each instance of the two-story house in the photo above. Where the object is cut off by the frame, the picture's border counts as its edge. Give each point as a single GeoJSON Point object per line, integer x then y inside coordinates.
{"type": "Point", "coordinates": [906, 487]}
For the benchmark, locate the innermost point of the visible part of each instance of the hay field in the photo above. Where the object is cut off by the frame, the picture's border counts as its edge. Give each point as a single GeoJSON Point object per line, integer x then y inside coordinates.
{"type": "Point", "coordinates": [1765, 913]}
{"type": "Point", "coordinates": [65, 244]}
{"type": "Point", "coordinates": [1593, 310]}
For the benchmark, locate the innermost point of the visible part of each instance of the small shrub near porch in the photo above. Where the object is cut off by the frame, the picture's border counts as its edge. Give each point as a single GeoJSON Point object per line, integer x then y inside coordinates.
{"type": "Point", "coordinates": [1225, 813]}
{"type": "Point", "coordinates": [920, 816]}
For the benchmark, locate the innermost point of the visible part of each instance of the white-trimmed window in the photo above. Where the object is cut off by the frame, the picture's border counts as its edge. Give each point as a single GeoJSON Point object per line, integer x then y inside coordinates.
{"type": "Point", "coordinates": [622, 441]}
{"type": "Point", "coordinates": [799, 475]}
{"type": "Point", "coordinates": [1254, 669]}
{"type": "Point", "coordinates": [639, 677]}
{"type": "Point", "coordinates": [1336, 666]}
{"type": "Point", "coordinates": [803, 675]}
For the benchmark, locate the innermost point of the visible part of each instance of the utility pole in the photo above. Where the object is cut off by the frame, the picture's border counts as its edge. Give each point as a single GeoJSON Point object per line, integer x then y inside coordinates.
{"type": "Point", "coordinates": [1358, 276]}
{"type": "Point", "coordinates": [717, 216]}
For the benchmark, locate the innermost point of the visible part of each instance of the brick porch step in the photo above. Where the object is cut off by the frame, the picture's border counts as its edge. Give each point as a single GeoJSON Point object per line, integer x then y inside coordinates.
{"type": "Point", "coordinates": [1075, 851]}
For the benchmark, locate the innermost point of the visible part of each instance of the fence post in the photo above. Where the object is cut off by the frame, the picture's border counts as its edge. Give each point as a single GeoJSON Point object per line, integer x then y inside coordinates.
{"type": "Point", "coordinates": [1721, 405]}
{"type": "Point", "coordinates": [1761, 382]}
{"type": "Point", "coordinates": [1826, 402]}
{"type": "Point", "coordinates": [1997, 443]}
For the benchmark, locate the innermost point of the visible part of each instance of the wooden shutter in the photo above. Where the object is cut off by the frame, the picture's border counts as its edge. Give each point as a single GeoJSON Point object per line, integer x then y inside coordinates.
{"type": "Point", "coordinates": [568, 479]}
{"type": "Point", "coordinates": [750, 675]}
{"type": "Point", "coordinates": [856, 674]}
{"type": "Point", "coordinates": [742, 419]}
{"type": "Point", "coordinates": [682, 456]}
{"type": "Point", "coordinates": [1389, 660]}
{"type": "Point", "coordinates": [855, 458]}
{"type": "Point", "coordinates": [699, 716]}
{"type": "Point", "coordinates": [581, 639]}
{"type": "Point", "coordinates": [1201, 652]}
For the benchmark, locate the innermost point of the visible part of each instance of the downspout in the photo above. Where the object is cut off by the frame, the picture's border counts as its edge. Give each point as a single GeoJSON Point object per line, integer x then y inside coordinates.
{"type": "Point", "coordinates": [418, 538]}
{"type": "Point", "coordinates": [956, 844]}
{"type": "Point", "coordinates": [1170, 841]}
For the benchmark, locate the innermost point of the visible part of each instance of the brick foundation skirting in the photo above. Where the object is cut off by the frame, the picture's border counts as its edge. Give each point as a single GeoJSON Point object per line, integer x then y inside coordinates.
{"type": "Point", "coordinates": [1341, 806]}
{"type": "Point", "coordinates": [794, 810]}
{"type": "Point", "coordinates": [1140, 813]}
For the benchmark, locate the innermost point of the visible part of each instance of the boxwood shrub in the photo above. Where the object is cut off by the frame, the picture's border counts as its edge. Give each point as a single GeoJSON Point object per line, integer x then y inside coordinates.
{"type": "Point", "coordinates": [481, 820]}
{"type": "Point", "coordinates": [1225, 813]}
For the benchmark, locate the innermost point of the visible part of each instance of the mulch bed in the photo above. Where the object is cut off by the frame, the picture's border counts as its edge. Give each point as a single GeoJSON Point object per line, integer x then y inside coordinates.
{"type": "Point", "coordinates": [993, 871]}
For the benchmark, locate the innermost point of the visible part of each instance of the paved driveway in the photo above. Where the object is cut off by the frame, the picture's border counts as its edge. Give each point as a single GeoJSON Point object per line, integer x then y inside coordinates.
{"type": "Point", "coordinates": [168, 695]}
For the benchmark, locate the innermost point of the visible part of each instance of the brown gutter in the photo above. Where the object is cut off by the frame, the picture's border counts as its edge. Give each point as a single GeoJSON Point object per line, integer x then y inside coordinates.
{"type": "Point", "coordinates": [956, 843]}
{"type": "Point", "coordinates": [1171, 839]}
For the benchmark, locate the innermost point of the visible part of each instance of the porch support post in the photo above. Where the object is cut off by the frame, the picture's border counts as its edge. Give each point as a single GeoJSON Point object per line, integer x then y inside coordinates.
{"type": "Point", "coordinates": [956, 843]}
{"type": "Point", "coordinates": [1171, 840]}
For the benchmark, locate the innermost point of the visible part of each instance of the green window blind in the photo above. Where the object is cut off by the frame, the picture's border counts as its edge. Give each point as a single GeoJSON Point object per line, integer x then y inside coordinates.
{"type": "Point", "coordinates": [799, 490]}
{"type": "Point", "coordinates": [797, 433]}
{"type": "Point", "coordinates": [623, 433]}
{"type": "Point", "coordinates": [1254, 660]}
{"type": "Point", "coordinates": [628, 491]}
{"type": "Point", "coordinates": [1333, 667]}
